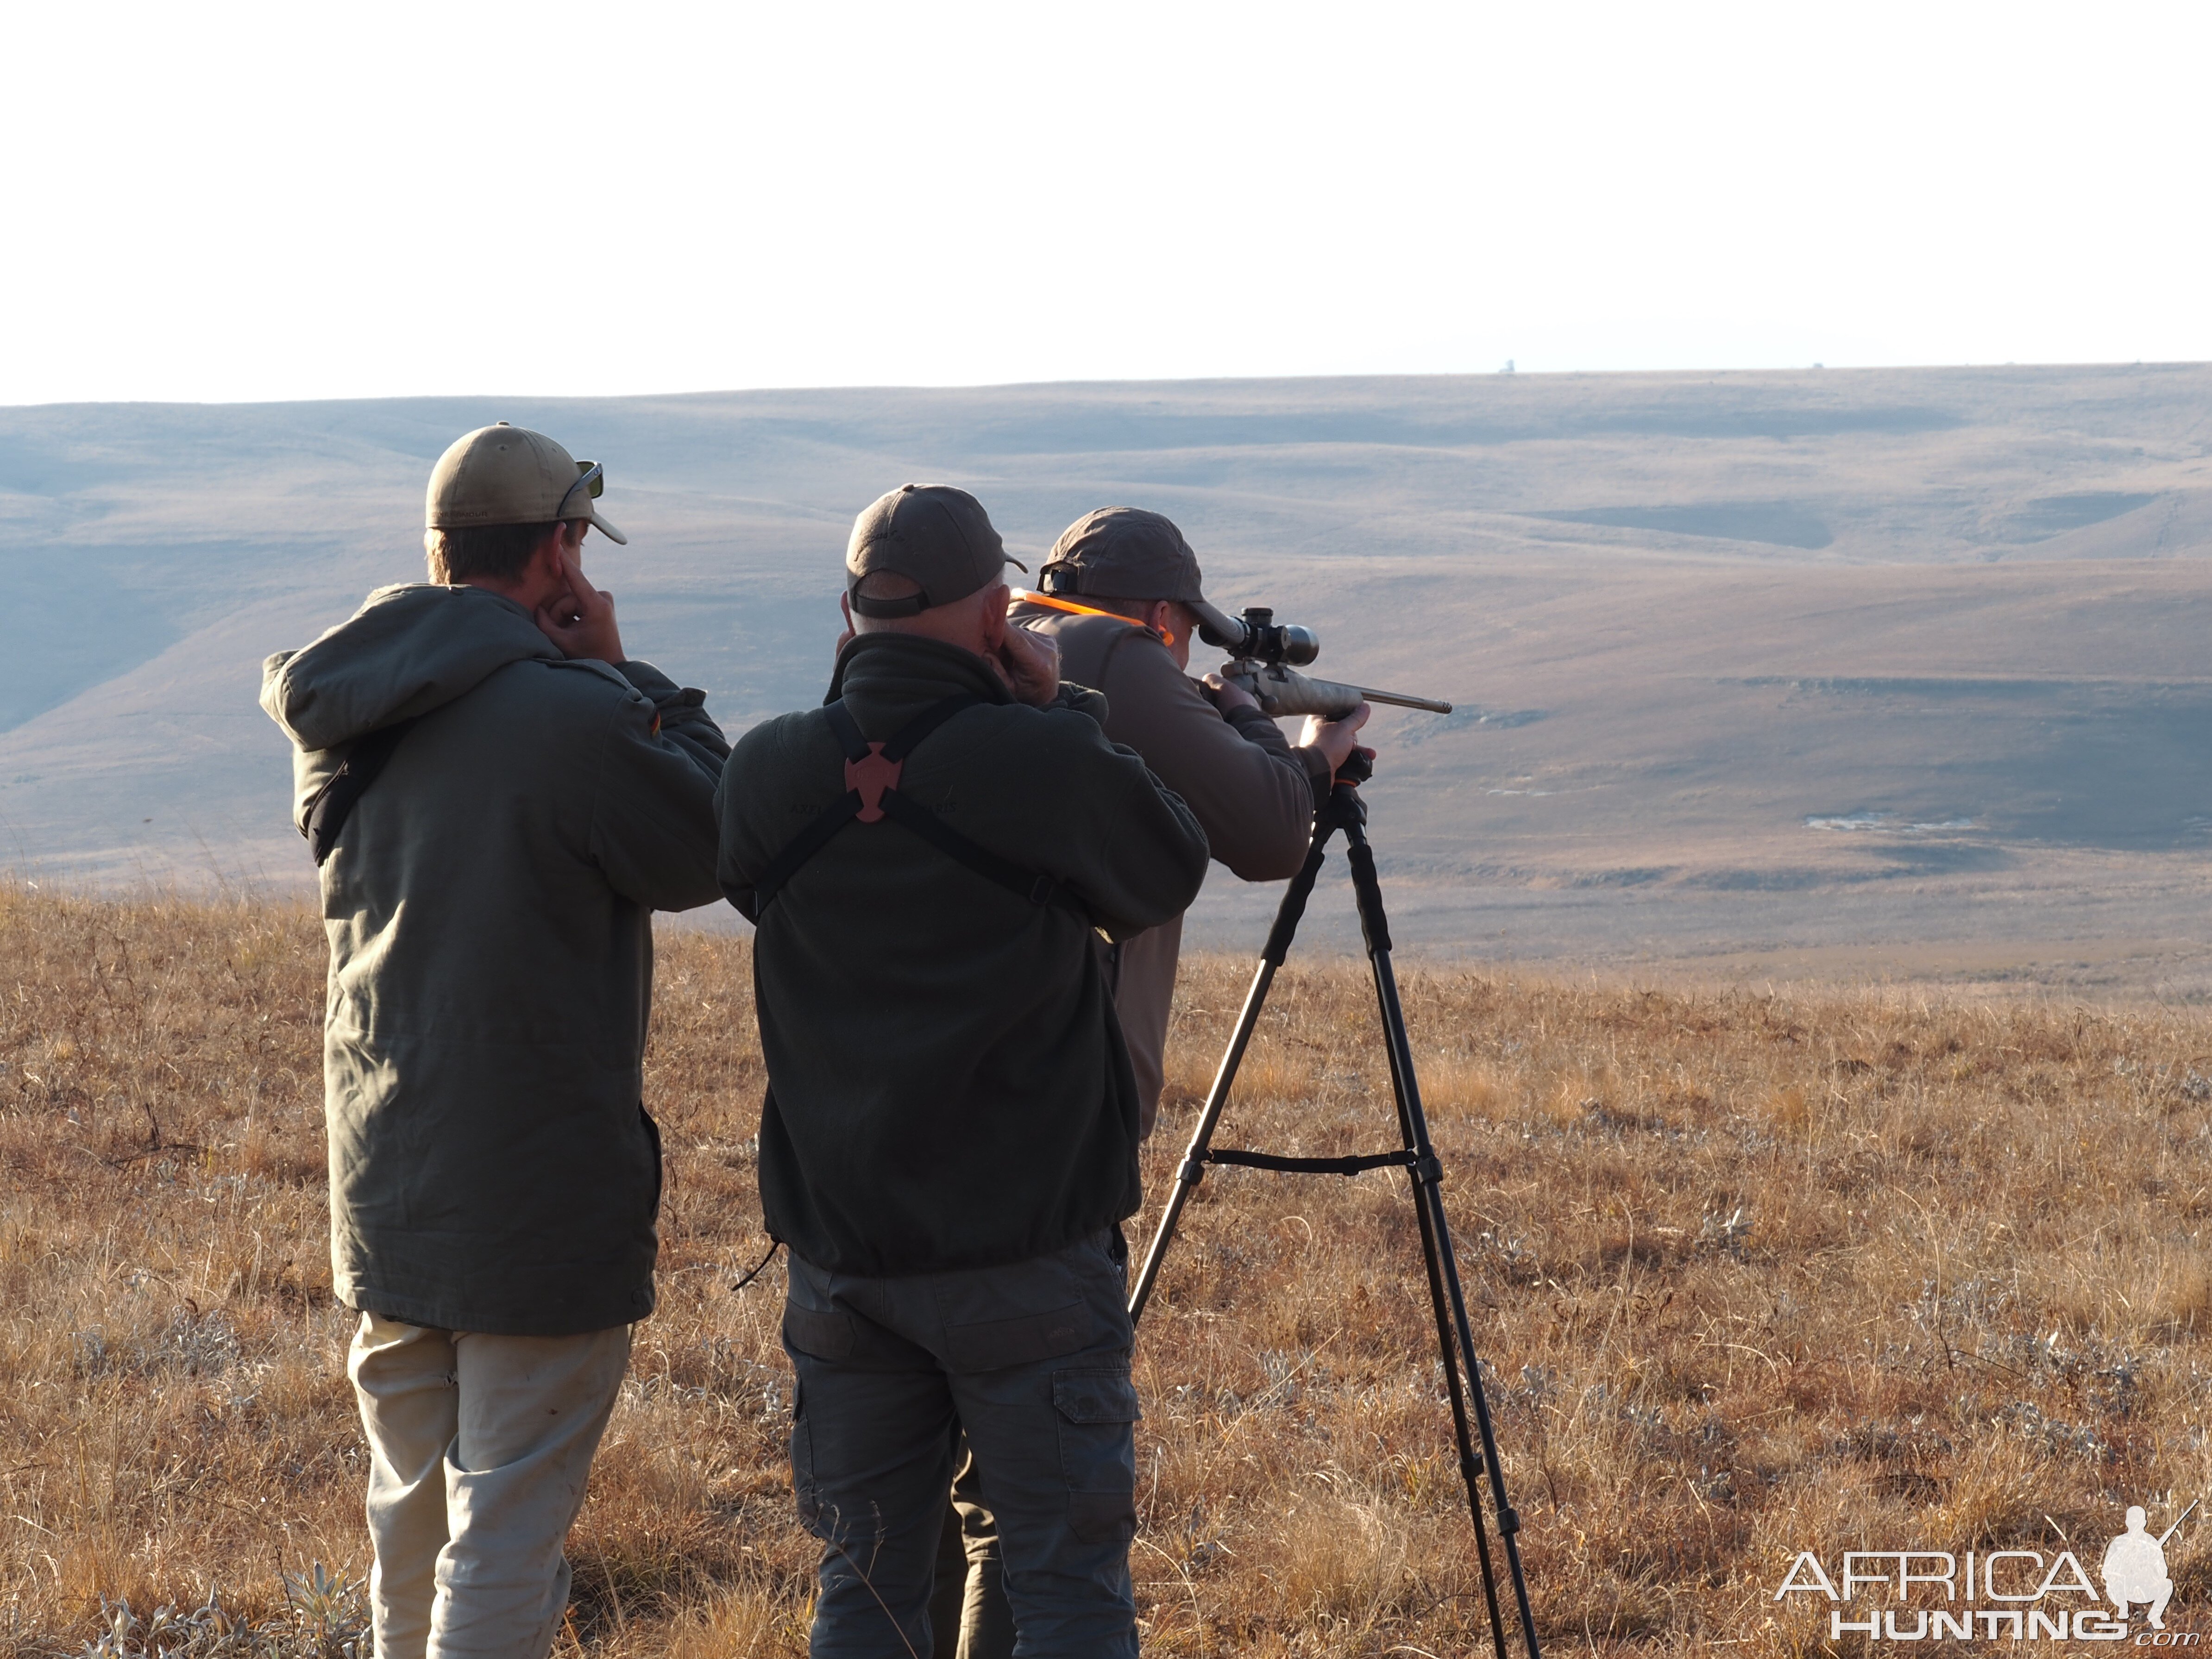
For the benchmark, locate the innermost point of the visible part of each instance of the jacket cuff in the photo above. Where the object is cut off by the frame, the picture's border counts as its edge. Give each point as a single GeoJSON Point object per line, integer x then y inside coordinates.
{"type": "Point", "coordinates": [1319, 773]}
{"type": "Point", "coordinates": [1255, 726]}
{"type": "Point", "coordinates": [658, 689]}
{"type": "Point", "coordinates": [1082, 700]}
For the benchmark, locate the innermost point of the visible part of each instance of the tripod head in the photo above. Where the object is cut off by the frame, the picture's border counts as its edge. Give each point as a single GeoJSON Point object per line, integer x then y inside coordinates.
{"type": "Point", "coordinates": [1344, 809]}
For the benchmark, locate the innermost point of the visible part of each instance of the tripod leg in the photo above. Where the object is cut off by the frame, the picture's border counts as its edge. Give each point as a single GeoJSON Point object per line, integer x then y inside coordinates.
{"type": "Point", "coordinates": [1287, 914]}
{"type": "Point", "coordinates": [1446, 1298]}
{"type": "Point", "coordinates": [1470, 1461]}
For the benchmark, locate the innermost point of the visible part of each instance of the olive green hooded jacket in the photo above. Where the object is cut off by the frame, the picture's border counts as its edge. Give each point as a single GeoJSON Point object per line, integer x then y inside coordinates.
{"type": "Point", "coordinates": [489, 912]}
{"type": "Point", "coordinates": [947, 1084]}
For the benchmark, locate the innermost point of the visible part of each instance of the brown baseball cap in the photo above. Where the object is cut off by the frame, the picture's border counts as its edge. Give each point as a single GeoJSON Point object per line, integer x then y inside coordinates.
{"type": "Point", "coordinates": [935, 536]}
{"type": "Point", "coordinates": [504, 475]}
{"type": "Point", "coordinates": [1126, 553]}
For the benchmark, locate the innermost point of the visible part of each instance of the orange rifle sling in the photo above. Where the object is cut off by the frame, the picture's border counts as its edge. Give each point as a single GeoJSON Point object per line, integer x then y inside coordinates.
{"type": "Point", "coordinates": [1164, 636]}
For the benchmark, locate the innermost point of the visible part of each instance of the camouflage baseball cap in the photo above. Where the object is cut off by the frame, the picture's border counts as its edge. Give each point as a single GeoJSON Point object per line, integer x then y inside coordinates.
{"type": "Point", "coordinates": [504, 475]}
{"type": "Point", "coordinates": [1126, 553]}
{"type": "Point", "coordinates": [937, 537]}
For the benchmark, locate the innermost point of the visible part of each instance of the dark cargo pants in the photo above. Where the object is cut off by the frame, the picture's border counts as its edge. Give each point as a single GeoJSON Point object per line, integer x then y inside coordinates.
{"type": "Point", "coordinates": [1032, 1359]}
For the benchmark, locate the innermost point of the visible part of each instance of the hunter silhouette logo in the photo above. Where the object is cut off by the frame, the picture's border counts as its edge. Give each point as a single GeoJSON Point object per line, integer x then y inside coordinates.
{"type": "Point", "coordinates": [2003, 1595]}
{"type": "Point", "coordinates": [2135, 1567]}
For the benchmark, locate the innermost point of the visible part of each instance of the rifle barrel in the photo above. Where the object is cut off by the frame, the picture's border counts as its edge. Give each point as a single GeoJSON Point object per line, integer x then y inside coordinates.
{"type": "Point", "coordinates": [2177, 1520]}
{"type": "Point", "coordinates": [1403, 701]}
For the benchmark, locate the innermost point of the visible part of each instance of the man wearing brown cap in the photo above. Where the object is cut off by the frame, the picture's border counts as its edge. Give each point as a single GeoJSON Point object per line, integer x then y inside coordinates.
{"type": "Point", "coordinates": [1121, 599]}
{"type": "Point", "coordinates": [949, 1138]}
{"type": "Point", "coordinates": [498, 799]}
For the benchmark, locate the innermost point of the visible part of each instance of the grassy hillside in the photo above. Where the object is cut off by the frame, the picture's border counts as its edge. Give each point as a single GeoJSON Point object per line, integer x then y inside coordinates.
{"type": "Point", "coordinates": [1770, 673]}
{"type": "Point", "coordinates": [1754, 1273]}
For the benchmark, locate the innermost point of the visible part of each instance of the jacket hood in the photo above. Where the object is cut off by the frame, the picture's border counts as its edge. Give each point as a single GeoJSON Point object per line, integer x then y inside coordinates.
{"type": "Point", "coordinates": [407, 650]}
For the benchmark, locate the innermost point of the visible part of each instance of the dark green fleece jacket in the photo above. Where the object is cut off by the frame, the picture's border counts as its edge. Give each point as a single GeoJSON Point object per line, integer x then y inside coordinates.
{"type": "Point", "coordinates": [489, 912]}
{"type": "Point", "coordinates": [947, 1086]}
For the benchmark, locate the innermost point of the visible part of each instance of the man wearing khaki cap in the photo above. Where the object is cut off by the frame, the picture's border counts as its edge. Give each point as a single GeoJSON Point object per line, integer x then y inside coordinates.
{"type": "Point", "coordinates": [949, 1143]}
{"type": "Point", "coordinates": [498, 799]}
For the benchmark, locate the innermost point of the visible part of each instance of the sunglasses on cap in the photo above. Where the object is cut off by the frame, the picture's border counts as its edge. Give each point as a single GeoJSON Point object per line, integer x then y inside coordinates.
{"type": "Point", "coordinates": [591, 478]}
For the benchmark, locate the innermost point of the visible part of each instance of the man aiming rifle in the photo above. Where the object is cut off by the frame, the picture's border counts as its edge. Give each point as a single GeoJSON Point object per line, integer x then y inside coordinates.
{"type": "Point", "coordinates": [1121, 600]}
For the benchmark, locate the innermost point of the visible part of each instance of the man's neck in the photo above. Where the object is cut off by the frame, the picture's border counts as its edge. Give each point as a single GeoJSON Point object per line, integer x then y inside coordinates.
{"type": "Point", "coordinates": [525, 593]}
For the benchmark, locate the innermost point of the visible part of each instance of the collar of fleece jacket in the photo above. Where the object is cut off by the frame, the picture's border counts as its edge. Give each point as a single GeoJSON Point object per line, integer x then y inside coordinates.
{"type": "Point", "coordinates": [901, 668]}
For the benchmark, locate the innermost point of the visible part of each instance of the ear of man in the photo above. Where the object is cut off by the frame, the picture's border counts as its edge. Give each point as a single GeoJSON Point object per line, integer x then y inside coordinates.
{"type": "Point", "coordinates": [549, 560]}
{"type": "Point", "coordinates": [1161, 615]}
{"type": "Point", "coordinates": [1170, 618]}
{"type": "Point", "coordinates": [522, 562]}
{"type": "Point", "coordinates": [491, 555]}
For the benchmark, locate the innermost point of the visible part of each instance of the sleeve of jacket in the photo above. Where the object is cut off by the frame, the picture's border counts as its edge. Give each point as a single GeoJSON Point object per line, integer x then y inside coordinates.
{"type": "Point", "coordinates": [683, 718]}
{"type": "Point", "coordinates": [1250, 790]}
{"type": "Point", "coordinates": [652, 817]}
{"type": "Point", "coordinates": [763, 763]}
{"type": "Point", "coordinates": [1140, 855]}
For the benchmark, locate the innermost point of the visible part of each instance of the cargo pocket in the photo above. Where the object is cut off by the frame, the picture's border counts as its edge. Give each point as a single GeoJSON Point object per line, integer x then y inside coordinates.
{"type": "Point", "coordinates": [823, 1335]}
{"type": "Point", "coordinates": [652, 1148]}
{"type": "Point", "coordinates": [1097, 1452]}
{"type": "Point", "coordinates": [803, 1494]}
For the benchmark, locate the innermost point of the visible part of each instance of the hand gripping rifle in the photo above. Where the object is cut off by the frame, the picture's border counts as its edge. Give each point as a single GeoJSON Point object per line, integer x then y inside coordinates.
{"type": "Point", "coordinates": [1259, 655]}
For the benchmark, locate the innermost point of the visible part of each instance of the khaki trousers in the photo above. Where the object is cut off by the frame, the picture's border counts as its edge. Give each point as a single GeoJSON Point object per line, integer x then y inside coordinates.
{"type": "Point", "coordinates": [968, 1612]}
{"type": "Point", "coordinates": [478, 1450]}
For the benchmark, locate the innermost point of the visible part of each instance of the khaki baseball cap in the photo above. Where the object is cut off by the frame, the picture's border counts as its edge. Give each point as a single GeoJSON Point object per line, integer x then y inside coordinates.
{"type": "Point", "coordinates": [504, 475]}
{"type": "Point", "coordinates": [937, 536]}
{"type": "Point", "coordinates": [1126, 553]}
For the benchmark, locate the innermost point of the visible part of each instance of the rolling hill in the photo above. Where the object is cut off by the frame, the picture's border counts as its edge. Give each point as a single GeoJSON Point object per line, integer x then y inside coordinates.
{"type": "Point", "coordinates": [1821, 673]}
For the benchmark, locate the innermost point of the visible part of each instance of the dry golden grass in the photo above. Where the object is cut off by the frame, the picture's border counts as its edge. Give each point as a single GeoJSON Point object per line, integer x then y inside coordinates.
{"type": "Point", "coordinates": [1755, 1274]}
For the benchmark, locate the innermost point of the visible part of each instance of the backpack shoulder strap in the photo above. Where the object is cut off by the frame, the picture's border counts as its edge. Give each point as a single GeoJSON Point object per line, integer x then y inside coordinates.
{"type": "Point", "coordinates": [908, 737]}
{"type": "Point", "coordinates": [334, 802]}
{"type": "Point", "coordinates": [1034, 885]}
{"type": "Point", "coordinates": [872, 773]}
{"type": "Point", "coordinates": [1031, 885]}
{"type": "Point", "coordinates": [905, 740]}
{"type": "Point", "coordinates": [850, 735]}
{"type": "Point", "coordinates": [871, 792]}
{"type": "Point", "coordinates": [800, 848]}
{"type": "Point", "coordinates": [826, 823]}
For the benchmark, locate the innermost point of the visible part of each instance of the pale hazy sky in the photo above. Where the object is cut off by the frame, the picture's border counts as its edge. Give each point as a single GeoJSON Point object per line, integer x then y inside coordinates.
{"type": "Point", "coordinates": [230, 200]}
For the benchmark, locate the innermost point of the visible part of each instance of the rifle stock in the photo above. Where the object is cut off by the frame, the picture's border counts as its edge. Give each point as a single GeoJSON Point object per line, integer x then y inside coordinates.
{"type": "Point", "coordinates": [1280, 691]}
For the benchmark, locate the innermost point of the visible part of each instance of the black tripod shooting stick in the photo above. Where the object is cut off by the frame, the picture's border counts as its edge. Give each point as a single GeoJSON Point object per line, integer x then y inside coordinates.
{"type": "Point", "coordinates": [1345, 811]}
